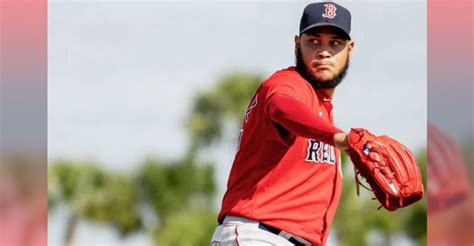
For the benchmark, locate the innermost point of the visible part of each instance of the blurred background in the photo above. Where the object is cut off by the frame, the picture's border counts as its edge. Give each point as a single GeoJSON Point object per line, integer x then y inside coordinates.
{"type": "Point", "coordinates": [145, 101]}
{"type": "Point", "coordinates": [23, 123]}
{"type": "Point", "coordinates": [450, 123]}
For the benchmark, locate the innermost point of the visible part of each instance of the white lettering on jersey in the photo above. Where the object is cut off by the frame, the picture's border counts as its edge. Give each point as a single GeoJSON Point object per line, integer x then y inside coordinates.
{"type": "Point", "coordinates": [320, 152]}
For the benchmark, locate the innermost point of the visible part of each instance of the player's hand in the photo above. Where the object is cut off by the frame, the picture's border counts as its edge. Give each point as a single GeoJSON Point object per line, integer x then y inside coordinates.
{"type": "Point", "coordinates": [341, 141]}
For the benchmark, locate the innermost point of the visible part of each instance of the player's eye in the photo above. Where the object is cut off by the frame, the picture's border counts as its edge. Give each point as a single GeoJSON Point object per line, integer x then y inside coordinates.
{"type": "Point", "coordinates": [335, 43]}
{"type": "Point", "coordinates": [314, 41]}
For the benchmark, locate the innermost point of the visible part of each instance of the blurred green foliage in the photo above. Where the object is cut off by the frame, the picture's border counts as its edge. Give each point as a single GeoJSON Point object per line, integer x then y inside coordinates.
{"type": "Point", "coordinates": [227, 100]}
{"type": "Point", "coordinates": [174, 190]}
{"type": "Point", "coordinates": [171, 187]}
{"type": "Point", "coordinates": [187, 227]}
{"type": "Point", "coordinates": [93, 194]}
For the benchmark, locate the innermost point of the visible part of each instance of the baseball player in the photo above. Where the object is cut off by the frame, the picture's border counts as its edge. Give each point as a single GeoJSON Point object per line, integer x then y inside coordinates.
{"type": "Point", "coordinates": [285, 182]}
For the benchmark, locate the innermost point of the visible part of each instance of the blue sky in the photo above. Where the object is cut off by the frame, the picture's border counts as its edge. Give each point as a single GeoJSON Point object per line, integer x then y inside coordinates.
{"type": "Point", "coordinates": [122, 75]}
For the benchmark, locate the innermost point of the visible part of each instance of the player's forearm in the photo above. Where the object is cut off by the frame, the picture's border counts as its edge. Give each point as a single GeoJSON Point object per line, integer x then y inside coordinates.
{"type": "Point", "coordinates": [298, 119]}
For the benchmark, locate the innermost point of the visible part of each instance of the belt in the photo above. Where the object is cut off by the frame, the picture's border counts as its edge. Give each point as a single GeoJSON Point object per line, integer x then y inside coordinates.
{"type": "Point", "coordinates": [277, 231]}
{"type": "Point", "coordinates": [288, 236]}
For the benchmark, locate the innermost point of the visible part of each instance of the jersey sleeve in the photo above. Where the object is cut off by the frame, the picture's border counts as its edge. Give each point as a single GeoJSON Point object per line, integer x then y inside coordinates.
{"type": "Point", "coordinates": [298, 119]}
{"type": "Point", "coordinates": [284, 86]}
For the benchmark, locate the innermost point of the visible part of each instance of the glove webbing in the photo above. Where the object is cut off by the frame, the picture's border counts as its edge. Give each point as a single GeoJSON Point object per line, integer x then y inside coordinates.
{"type": "Point", "coordinates": [357, 181]}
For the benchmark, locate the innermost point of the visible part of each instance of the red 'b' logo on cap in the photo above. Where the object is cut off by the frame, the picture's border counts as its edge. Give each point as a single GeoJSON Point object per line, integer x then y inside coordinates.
{"type": "Point", "coordinates": [330, 11]}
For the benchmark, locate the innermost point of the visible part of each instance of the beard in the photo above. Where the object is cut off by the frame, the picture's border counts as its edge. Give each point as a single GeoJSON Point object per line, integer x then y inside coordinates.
{"type": "Point", "coordinates": [316, 83]}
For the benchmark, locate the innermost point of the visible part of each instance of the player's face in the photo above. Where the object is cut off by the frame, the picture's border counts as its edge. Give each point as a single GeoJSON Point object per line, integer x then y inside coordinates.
{"type": "Point", "coordinates": [325, 52]}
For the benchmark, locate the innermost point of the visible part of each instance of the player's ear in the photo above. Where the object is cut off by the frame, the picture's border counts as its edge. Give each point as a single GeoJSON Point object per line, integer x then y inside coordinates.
{"type": "Point", "coordinates": [297, 43]}
{"type": "Point", "coordinates": [350, 46]}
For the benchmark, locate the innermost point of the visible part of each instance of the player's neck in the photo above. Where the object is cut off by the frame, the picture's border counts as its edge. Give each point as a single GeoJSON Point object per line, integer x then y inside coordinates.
{"type": "Point", "coordinates": [328, 92]}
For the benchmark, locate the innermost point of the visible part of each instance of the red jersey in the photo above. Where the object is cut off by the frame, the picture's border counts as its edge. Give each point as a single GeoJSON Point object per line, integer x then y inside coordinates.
{"type": "Point", "coordinates": [287, 181]}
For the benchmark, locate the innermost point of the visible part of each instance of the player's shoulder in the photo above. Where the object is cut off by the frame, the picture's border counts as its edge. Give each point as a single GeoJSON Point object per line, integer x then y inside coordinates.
{"type": "Point", "coordinates": [286, 81]}
{"type": "Point", "coordinates": [287, 75]}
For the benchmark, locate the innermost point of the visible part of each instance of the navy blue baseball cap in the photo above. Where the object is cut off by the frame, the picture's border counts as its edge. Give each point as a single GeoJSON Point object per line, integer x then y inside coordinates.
{"type": "Point", "coordinates": [326, 14]}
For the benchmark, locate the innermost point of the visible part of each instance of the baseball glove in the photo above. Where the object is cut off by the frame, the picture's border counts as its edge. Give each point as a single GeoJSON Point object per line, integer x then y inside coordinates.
{"type": "Point", "coordinates": [388, 167]}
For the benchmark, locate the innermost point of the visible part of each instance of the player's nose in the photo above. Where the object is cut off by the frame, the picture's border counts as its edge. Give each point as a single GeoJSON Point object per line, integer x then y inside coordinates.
{"type": "Point", "coordinates": [322, 54]}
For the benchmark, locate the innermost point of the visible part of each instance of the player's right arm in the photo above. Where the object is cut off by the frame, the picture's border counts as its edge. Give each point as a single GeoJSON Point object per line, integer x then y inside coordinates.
{"type": "Point", "coordinates": [295, 117]}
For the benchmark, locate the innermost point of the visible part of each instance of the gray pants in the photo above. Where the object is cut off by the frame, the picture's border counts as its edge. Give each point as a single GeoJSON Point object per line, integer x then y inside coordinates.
{"type": "Point", "coordinates": [238, 231]}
